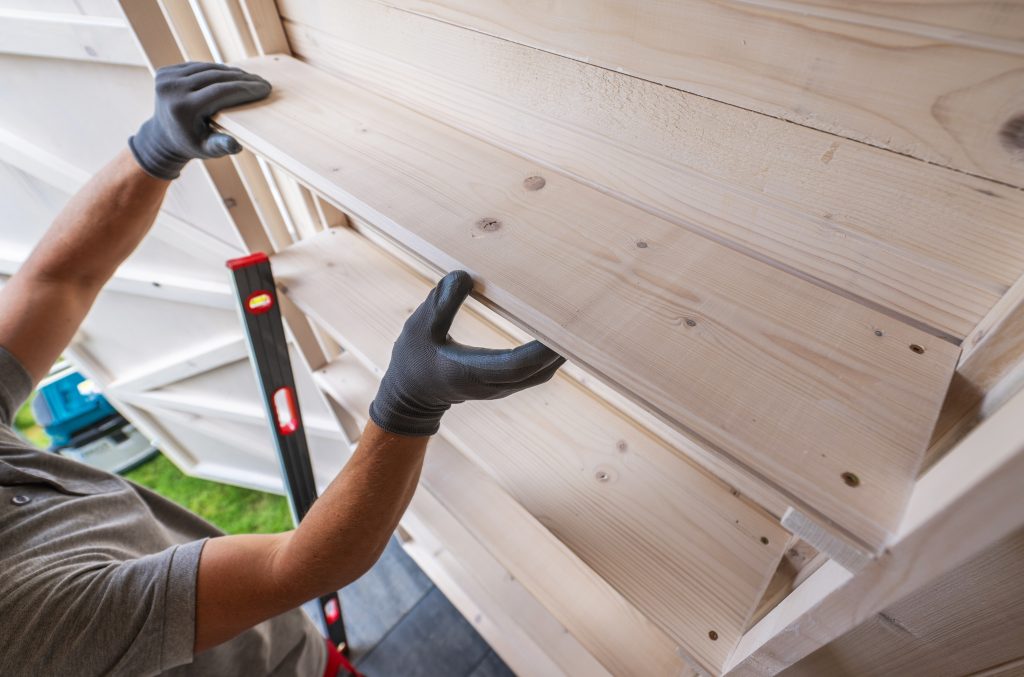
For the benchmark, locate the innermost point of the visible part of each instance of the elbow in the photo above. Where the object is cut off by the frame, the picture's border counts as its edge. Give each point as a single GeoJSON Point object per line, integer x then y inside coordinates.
{"type": "Point", "coordinates": [302, 572]}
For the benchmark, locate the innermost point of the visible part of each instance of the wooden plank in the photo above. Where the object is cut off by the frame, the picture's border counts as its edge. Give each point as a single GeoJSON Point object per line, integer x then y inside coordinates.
{"type": "Point", "coordinates": [950, 104]}
{"type": "Point", "coordinates": [532, 555]}
{"type": "Point", "coordinates": [265, 25]}
{"type": "Point", "coordinates": [967, 502]}
{"type": "Point", "coordinates": [992, 23]}
{"type": "Point", "coordinates": [69, 178]}
{"type": "Point", "coordinates": [225, 28]}
{"type": "Point", "coordinates": [261, 193]}
{"type": "Point", "coordinates": [236, 29]}
{"type": "Point", "coordinates": [181, 365]}
{"type": "Point", "coordinates": [968, 620]}
{"type": "Point", "coordinates": [170, 32]}
{"type": "Point", "coordinates": [131, 280]}
{"type": "Point", "coordinates": [68, 36]}
{"type": "Point", "coordinates": [990, 371]}
{"type": "Point", "coordinates": [809, 201]}
{"type": "Point", "coordinates": [669, 538]}
{"type": "Point", "coordinates": [800, 561]}
{"type": "Point", "coordinates": [528, 616]}
{"type": "Point", "coordinates": [741, 482]}
{"type": "Point", "coordinates": [212, 406]}
{"type": "Point", "coordinates": [295, 203]}
{"type": "Point", "coordinates": [791, 382]}
{"type": "Point", "coordinates": [849, 556]}
{"type": "Point", "coordinates": [514, 623]}
{"type": "Point", "coordinates": [187, 31]}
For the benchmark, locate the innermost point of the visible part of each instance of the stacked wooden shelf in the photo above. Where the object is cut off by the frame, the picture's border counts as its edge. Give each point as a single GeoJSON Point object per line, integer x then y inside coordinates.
{"type": "Point", "coordinates": [658, 530]}
{"type": "Point", "coordinates": [805, 393]}
{"type": "Point", "coordinates": [824, 399]}
{"type": "Point", "coordinates": [762, 317]}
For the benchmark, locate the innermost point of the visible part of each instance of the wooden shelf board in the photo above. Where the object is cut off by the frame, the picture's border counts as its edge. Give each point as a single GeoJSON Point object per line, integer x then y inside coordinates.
{"type": "Point", "coordinates": [672, 540]}
{"type": "Point", "coordinates": [920, 240]}
{"type": "Point", "coordinates": [517, 543]}
{"type": "Point", "coordinates": [790, 381]}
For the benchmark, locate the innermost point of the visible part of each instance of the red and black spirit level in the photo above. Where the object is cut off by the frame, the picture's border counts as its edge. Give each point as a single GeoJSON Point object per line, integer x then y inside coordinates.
{"type": "Point", "coordinates": [268, 349]}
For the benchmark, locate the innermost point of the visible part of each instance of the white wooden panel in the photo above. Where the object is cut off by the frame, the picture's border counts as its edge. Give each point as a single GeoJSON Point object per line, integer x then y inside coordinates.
{"type": "Point", "coordinates": [83, 114]}
{"type": "Point", "coordinates": [108, 8]}
{"type": "Point", "coordinates": [124, 331]}
{"type": "Point", "coordinates": [68, 36]}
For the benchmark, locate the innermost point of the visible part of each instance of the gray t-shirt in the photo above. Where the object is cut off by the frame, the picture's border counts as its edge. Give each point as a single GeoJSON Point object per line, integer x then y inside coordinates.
{"type": "Point", "coordinates": [98, 575]}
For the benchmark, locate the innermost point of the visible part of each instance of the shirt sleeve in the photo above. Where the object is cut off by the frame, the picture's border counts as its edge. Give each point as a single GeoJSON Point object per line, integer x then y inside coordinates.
{"type": "Point", "coordinates": [15, 386]}
{"type": "Point", "coordinates": [96, 616]}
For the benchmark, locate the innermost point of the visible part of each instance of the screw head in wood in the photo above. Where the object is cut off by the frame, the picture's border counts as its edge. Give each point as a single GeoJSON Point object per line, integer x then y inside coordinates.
{"type": "Point", "coordinates": [917, 348]}
{"type": "Point", "coordinates": [851, 479]}
{"type": "Point", "coordinates": [713, 635]}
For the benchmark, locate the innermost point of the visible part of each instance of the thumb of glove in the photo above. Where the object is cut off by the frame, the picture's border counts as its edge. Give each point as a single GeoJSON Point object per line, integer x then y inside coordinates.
{"type": "Point", "coordinates": [219, 145]}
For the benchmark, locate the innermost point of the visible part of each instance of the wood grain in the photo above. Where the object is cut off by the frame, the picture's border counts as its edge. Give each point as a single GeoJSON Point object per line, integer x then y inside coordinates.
{"type": "Point", "coordinates": [517, 626]}
{"type": "Point", "coordinates": [990, 372]}
{"type": "Point", "coordinates": [792, 382]}
{"type": "Point", "coordinates": [928, 243]}
{"type": "Point", "coordinates": [946, 103]}
{"type": "Point", "coordinates": [969, 620]}
{"type": "Point", "coordinates": [669, 538]}
{"type": "Point", "coordinates": [997, 24]}
{"type": "Point", "coordinates": [968, 502]}
{"type": "Point", "coordinates": [503, 549]}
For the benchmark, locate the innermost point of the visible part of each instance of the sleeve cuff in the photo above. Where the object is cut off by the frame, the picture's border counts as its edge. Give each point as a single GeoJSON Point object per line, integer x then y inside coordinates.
{"type": "Point", "coordinates": [15, 386]}
{"type": "Point", "coordinates": [180, 609]}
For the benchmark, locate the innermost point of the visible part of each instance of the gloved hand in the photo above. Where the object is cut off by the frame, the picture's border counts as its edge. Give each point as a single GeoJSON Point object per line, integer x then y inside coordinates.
{"type": "Point", "coordinates": [429, 371]}
{"type": "Point", "coordinates": [187, 96]}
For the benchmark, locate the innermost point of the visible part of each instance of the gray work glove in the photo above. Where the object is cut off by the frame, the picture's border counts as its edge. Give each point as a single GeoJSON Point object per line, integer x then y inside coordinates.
{"type": "Point", "coordinates": [187, 96]}
{"type": "Point", "coordinates": [429, 372]}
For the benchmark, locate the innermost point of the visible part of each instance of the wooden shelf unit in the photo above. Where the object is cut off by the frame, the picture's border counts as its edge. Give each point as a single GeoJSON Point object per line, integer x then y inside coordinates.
{"type": "Point", "coordinates": [729, 394]}
{"type": "Point", "coordinates": [800, 387]}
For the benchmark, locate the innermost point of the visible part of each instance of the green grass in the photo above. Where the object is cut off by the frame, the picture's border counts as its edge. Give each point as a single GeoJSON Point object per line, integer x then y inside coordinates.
{"type": "Point", "coordinates": [25, 424]}
{"type": "Point", "coordinates": [233, 509]}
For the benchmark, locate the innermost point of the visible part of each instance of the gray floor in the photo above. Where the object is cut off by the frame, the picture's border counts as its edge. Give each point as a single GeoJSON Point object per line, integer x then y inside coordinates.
{"type": "Point", "coordinates": [400, 625]}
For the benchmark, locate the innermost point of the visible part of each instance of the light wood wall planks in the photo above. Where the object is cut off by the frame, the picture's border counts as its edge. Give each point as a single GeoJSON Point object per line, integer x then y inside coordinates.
{"type": "Point", "coordinates": [671, 539]}
{"type": "Point", "coordinates": [930, 244]}
{"type": "Point", "coordinates": [997, 23]}
{"type": "Point", "coordinates": [953, 104]}
{"type": "Point", "coordinates": [966, 621]}
{"type": "Point", "coordinates": [585, 603]}
{"type": "Point", "coordinates": [794, 383]}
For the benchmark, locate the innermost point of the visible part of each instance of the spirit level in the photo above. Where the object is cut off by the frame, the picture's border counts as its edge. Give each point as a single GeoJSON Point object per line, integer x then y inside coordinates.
{"type": "Point", "coordinates": [268, 349]}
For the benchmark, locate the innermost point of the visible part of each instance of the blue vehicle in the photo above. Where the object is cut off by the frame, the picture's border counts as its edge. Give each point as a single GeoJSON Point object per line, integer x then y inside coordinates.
{"type": "Point", "coordinates": [83, 425]}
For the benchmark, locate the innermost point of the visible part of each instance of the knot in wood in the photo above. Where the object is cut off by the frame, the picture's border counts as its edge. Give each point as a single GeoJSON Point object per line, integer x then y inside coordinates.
{"type": "Point", "coordinates": [1012, 134]}
{"type": "Point", "coordinates": [534, 182]}
{"type": "Point", "coordinates": [488, 224]}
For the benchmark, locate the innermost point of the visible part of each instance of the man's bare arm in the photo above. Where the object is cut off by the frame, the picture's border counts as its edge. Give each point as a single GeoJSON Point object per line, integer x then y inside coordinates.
{"type": "Point", "coordinates": [46, 300]}
{"type": "Point", "coordinates": [246, 579]}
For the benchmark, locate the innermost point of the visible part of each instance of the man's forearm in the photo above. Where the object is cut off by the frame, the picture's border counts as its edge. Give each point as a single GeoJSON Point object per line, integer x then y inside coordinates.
{"type": "Point", "coordinates": [46, 300]}
{"type": "Point", "coordinates": [244, 580]}
{"type": "Point", "coordinates": [101, 225]}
